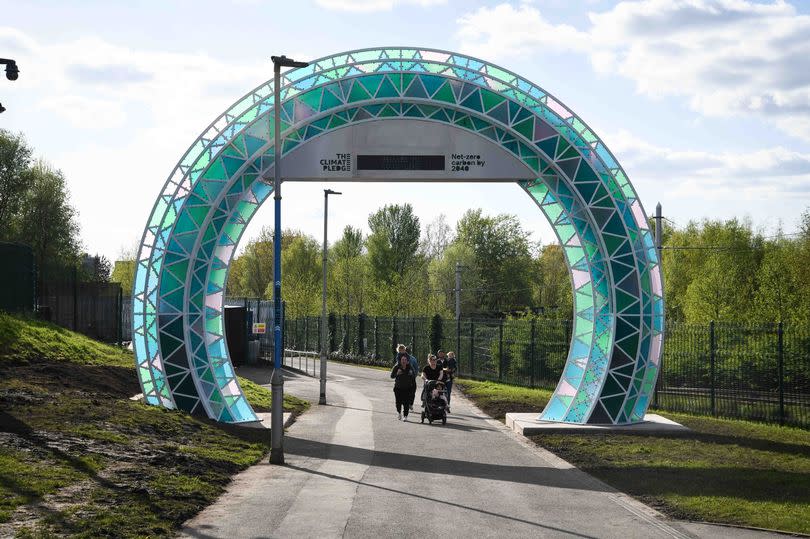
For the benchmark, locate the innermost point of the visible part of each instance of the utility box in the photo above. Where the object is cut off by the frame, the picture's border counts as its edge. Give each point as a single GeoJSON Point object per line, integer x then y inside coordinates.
{"type": "Point", "coordinates": [236, 334]}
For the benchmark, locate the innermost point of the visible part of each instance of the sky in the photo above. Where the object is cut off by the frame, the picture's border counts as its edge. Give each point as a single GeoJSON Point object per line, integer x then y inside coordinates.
{"type": "Point", "coordinates": [705, 103]}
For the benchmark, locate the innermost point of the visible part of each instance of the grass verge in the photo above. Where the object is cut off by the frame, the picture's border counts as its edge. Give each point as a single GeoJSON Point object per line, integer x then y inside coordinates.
{"type": "Point", "coordinates": [78, 458]}
{"type": "Point", "coordinates": [724, 471]}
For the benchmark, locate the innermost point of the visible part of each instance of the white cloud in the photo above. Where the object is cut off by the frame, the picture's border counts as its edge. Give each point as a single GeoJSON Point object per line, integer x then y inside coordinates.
{"type": "Point", "coordinates": [771, 173]}
{"type": "Point", "coordinates": [726, 57]}
{"type": "Point", "coordinates": [505, 29]}
{"type": "Point", "coordinates": [367, 6]}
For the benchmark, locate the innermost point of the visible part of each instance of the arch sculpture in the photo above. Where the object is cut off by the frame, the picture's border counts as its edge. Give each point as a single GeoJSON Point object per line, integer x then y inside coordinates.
{"type": "Point", "coordinates": [220, 182]}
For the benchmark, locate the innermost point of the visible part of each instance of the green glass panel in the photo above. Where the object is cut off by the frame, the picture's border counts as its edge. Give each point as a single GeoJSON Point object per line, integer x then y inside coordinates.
{"type": "Point", "coordinates": [569, 153]}
{"type": "Point", "coordinates": [216, 171]}
{"type": "Point", "coordinates": [613, 405]}
{"type": "Point", "coordinates": [312, 99]}
{"type": "Point", "coordinates": [184, 224]}
{"type": "Point", "coordinates": [562, 145]}
{"type": "Point", "coordinates": [431, 83]}
{"type": "Point", "coordinates": [371, 83]}
{"type": "Point", "coordinates": [473, 101]}
{"type": "Point", "coordinates": [387, 89]}
{"type": "Point", "coordinates": [525, 128]}
{"type": "Point", "coordinates": [358, 93]}
{"type": "Point", "coordinates": [491, 99]}
{"type": "Point", "coordinates": [548, 146]}
{"type": "Point", "coordinates": [330, 100]}
{"type": "Point", "coordinates": [336, 121]}
{"type": "Point", "coordinates": [405, 80]}
{"type": "Point", "coordinates": [445, 94]}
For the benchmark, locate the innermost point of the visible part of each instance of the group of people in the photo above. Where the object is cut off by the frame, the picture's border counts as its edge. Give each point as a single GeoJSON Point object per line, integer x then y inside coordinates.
{"type": "Point", "coordinates": [440, 366]}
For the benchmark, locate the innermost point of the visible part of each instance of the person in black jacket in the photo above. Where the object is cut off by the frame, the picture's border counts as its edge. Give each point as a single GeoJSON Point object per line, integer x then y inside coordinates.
{"type": "Point", "coordinates": [404, 384]}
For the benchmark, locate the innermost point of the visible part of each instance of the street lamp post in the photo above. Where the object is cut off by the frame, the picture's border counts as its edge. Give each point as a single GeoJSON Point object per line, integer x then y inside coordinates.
{"type": "Point", "coordinates": [324, 326]}
{"type": "Point", "coordinates": [277, 380]}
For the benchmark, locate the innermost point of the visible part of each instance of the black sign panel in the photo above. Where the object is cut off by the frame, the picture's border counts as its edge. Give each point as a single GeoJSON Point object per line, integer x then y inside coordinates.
{"type": "Point", "coordinates": [400, 162]}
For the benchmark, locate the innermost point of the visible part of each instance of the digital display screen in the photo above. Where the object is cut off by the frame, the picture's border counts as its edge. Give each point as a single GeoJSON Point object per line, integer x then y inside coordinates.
{"type": "Point", "coordinates": [400, 162]}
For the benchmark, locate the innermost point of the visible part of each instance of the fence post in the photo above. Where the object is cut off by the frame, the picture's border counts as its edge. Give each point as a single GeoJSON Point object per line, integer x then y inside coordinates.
{"type": "Point", "coordinates": [376, 337]}
{"type": "Point", "coordinates": [75, 299]}
{"type": "Point", "coordinates": [472, 348]}
{"type": "Point", "coordinates": [712, 368]}
{"type": "Point", "coordinates": [120, 305]}
{"type": "Point", "coordinates": [531, 352]}
{"type": "Point", "coordinates": [361, 333]}
{"type": "Point", "coordinates": [780, 358]}
{"type": "Point", "coordinates": [500, 351]}
{"type": "Point", "coordinates": [458, 340]}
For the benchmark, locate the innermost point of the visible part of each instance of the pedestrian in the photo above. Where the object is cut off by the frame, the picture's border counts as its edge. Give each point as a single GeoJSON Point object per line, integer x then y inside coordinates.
{"type": "Point", "coordinates": [404, 382]}
{"type": "Point", "coordinates": [450, 368]}
{"type": "Point", "coordinates": [402, 349]}
{"type": "Point", "coordinates": [431, 371]}
{"type": "Point", "coordinates": [441, 357]}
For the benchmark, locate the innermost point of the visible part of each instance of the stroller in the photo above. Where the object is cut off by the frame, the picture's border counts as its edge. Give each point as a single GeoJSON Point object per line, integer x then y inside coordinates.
{"type": "Point", "coordinates": [435, 407]}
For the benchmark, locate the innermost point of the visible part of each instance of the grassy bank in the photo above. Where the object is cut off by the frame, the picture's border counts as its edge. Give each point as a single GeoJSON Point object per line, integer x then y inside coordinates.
{"type": "Point", "coordinates": [724, 471]}
{"type": "Point", "coordinates": [77, 457]}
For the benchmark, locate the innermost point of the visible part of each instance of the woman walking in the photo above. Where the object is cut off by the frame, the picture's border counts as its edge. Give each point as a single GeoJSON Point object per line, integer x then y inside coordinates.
{"type": "Point", "coordinates": [404, 384]}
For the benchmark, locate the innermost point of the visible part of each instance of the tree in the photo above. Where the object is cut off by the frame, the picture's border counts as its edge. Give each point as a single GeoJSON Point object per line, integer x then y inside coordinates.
{"type": "Point", "coordinates": [502, 256]}
{"type": "Point", "coordinates": [350, 244]}
{"type": "Point", "coordinates": [720, 277]}
{"type": "Point", "coordinates": [438, 235]}
{"type": "Point", "coordinates": [301, 270]}
{"type": "Point", "coordinates": [252, 272]}
{"type": "Point", "coordinates": [442, 274]}
{"type": "Point", "coordinates": [124, 272]}
{"type": "Point", "coordinates": [394, 241]}
{"type": "Point", "coordinates": [46, 220]}
{"type": "Point", "coordinates": [552, 290]}
{"type": "Point", "coordinates": [95, 269]}
{"type": "Point", "coordinates": [15, 160]}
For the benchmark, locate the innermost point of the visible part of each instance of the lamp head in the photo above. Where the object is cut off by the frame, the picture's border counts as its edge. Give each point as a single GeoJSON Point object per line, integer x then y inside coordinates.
{"type": "Point", "coordinates": [330, 192]}
{"type": "Point", "coordinates": [2, 108]}
{"type": "Point", "coordinates": [12, 71]}
{"type": "Point", "coordinates": [283, 61]}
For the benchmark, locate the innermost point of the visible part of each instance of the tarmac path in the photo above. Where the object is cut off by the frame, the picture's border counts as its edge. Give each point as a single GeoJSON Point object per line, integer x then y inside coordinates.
{"type": "Point", "coordinates": [353, 470]}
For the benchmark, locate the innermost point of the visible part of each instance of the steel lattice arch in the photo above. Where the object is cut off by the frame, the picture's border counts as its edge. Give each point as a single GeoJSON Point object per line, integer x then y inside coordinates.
{"type": "Point", "coordinates": [220, 182]}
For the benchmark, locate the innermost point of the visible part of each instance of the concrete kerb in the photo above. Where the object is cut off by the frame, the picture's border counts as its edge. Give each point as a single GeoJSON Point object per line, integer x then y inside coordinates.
{"type": "Point", "coordinates": [527, 424]}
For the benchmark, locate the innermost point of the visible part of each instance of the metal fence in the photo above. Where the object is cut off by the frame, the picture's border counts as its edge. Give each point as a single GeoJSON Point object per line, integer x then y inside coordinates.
{"type": "Point", "coordinates": [752, 372]}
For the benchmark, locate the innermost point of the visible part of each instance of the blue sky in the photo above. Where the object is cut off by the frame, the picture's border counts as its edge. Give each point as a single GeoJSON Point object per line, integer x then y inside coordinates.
{"type": "Point", "coordinates": [706, 103]}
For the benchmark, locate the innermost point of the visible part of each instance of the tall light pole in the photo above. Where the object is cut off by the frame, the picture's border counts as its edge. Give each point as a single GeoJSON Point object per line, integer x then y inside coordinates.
{"type": "Point", "coordinates": [324, 325]}
{"type": "Point", "coordinates": [277, 380]}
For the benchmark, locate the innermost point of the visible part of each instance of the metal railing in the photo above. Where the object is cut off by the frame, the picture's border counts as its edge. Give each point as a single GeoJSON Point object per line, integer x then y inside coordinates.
{"type": "Point", "coordinates": [741, 371]}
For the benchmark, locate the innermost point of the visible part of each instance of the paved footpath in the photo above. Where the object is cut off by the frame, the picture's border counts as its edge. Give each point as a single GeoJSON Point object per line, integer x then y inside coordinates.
{"type": "Point", "coordinates": [353, 470]}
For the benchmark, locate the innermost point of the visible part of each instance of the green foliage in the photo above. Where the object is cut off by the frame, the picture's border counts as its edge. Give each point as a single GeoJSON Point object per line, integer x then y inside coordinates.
{"type": "Point", "coordinates": [552, 286]}
{"type": "Point", "coordinates": [394, 240]}
{"type": "Point", "coordinates": [70, 430]}
{"type": "Point", "coordinates": [23, 340]}
{"type": "Point", "coordinates": [34, 205]}
{"type": "Point", "coordinates": [124, 272]}
{"type": "Point", "coordinates": [442, 274]}
{"type": "Point", "coordinates": [15, 159]}
{"type": "Point", "coordinates": [301, 268]}
{"type": "Point", "coordinates": [502, 256]}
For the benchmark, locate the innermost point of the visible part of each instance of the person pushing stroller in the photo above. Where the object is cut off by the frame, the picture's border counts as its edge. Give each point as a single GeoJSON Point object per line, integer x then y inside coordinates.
{"type": "Point", "coordinates": [434, 397]}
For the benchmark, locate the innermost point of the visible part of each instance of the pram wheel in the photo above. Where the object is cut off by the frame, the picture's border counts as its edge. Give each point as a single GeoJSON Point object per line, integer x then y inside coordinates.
{"type": "Point", "coordinates": [444, 420]}
{"type": "Point", "coordinates": [423, 417]}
